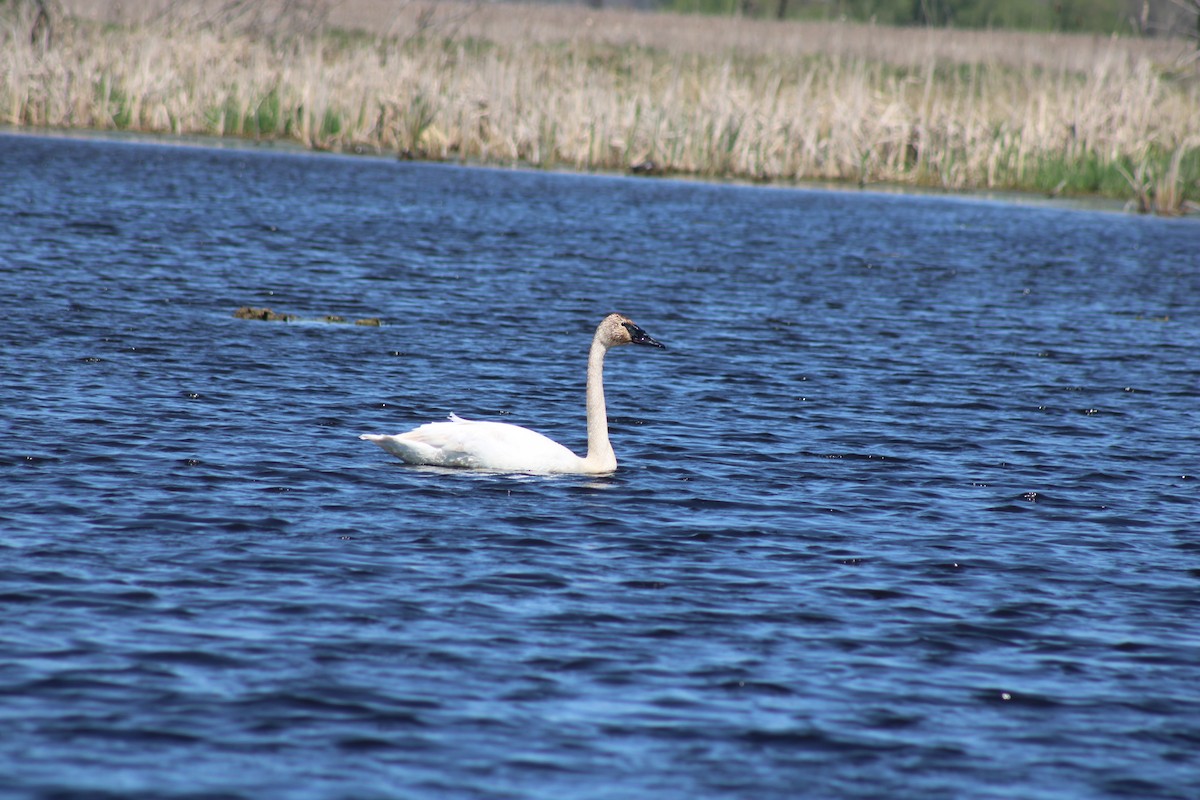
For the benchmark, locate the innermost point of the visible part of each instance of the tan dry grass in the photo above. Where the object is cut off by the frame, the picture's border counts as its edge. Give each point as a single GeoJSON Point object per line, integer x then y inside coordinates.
{"type": "Point", "coordinates": [514, 24]}
{"type": "Point", "coordinates": [564, 85]}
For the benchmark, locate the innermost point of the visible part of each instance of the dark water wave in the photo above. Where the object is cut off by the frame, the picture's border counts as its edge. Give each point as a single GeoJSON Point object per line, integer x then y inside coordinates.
{"type": "Point", "coordinates": [908, 509]}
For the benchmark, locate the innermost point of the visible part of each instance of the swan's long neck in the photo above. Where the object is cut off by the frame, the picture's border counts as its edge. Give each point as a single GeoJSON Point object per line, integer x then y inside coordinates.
{"type": "Point", "coordinates": [600, 457]}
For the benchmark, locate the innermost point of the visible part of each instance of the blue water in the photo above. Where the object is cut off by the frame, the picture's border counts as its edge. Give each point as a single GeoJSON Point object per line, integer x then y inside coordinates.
{"type": "Point", "coordinates": [909, 508]}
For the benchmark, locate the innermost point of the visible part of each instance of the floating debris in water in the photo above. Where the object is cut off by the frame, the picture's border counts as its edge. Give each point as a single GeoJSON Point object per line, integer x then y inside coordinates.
{"type": "Point", "coordinates": [266, 314]}
{"type": "Point", "coordinates": [250, 312]}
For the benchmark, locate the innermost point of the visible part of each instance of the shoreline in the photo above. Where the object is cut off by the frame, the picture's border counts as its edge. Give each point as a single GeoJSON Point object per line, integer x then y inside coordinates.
{"type": "Point", "coordinates": [1092, 203]}
{"type": "Point", "coordinates": [611, 91]}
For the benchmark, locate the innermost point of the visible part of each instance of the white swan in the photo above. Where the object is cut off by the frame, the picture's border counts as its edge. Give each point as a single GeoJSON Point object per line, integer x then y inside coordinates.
{"type": "Point", "coordinates": [503, 447]}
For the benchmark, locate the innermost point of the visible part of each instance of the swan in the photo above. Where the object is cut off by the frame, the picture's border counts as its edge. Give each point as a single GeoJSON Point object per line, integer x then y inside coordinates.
{"type": "Point", "coordinates": [500, 446]}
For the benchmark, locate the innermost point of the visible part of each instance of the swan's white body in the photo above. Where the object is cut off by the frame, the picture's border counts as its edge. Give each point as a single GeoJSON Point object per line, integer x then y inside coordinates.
{"type": "Point", "coordinates": [503, 447]}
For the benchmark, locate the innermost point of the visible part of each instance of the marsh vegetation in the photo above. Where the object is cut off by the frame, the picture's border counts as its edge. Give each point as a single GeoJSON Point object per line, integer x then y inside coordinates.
{"type": "Point", "coordinates": [578, 88]}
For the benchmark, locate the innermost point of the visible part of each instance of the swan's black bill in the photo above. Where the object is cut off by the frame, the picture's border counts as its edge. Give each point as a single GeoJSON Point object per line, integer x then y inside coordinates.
{"type": "Point", "coordinates": [639, 336]}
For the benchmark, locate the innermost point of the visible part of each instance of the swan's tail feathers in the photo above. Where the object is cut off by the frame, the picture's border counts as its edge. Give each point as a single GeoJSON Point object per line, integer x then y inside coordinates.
{"type": "Point", "coordinates": [407, 449]}
{"type": "Point", "coordinates": [439, 444]}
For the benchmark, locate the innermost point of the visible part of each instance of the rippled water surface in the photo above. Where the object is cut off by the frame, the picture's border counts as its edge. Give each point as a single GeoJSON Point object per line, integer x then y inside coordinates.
{"type": "Point", "coordinates": [908, 508]}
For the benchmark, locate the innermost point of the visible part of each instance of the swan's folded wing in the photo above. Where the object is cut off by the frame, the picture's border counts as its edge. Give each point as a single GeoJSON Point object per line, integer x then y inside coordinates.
{"type": "Point", "coordinates": [478, 445]}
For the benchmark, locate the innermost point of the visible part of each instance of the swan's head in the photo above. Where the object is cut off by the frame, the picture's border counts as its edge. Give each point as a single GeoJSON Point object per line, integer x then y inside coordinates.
{"type": "Point", "coordinates": [618, 329]}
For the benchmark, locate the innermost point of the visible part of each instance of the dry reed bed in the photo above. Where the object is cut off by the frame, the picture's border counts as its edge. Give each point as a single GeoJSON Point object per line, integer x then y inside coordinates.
{"type": "Point", "coordinates": [674, 34]}
{"type": "Point", "coordinates": [565, 86]}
